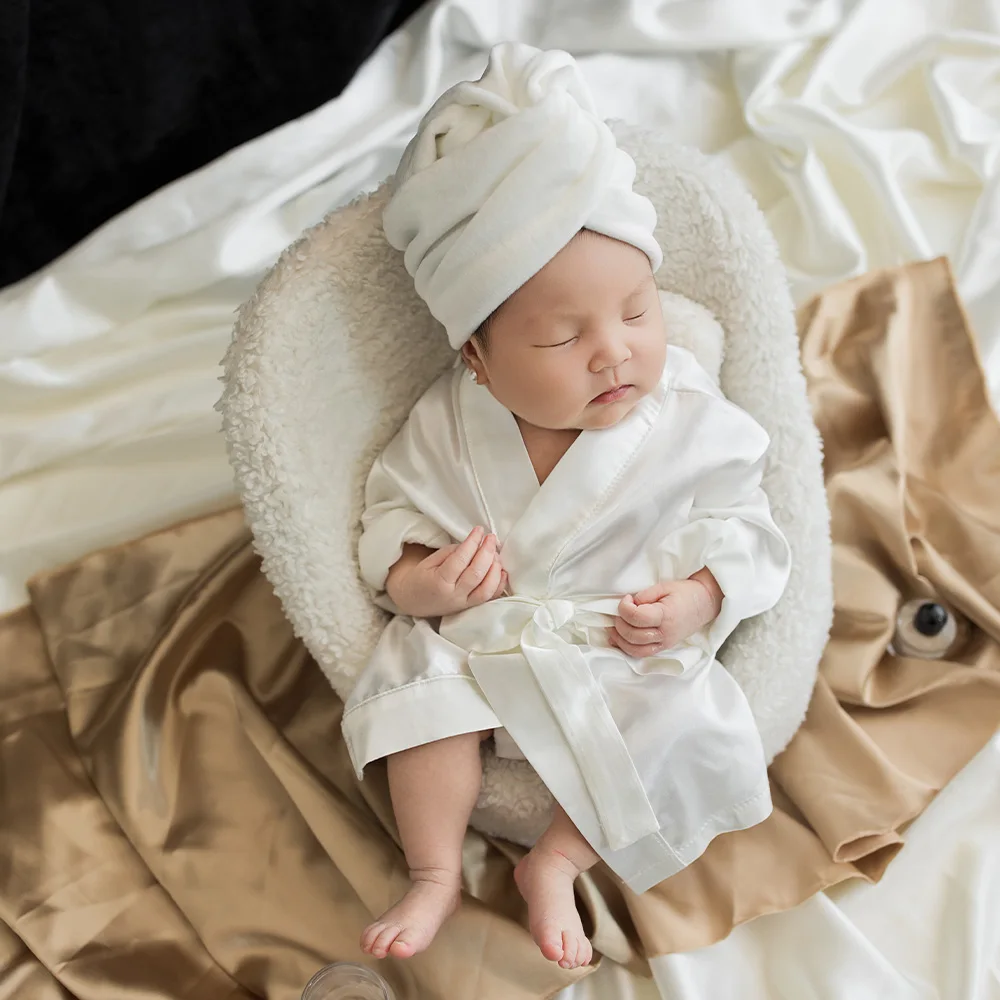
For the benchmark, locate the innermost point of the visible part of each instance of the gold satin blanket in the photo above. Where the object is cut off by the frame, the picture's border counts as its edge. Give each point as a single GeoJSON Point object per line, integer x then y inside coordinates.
{"type": "Point", "coordinates": [180, 818]}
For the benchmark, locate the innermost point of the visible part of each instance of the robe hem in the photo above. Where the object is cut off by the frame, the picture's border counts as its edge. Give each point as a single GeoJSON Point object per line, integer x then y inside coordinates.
{"type": "Point", "coordinates": [741, 816]}
{"type": "Point", "coordinates": [412, 715]}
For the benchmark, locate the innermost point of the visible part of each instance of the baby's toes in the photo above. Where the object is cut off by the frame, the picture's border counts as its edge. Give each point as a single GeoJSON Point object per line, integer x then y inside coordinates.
{"type": "Point", "coordinates": [403, 947]}
{"type": "Point", "coordinates": [385, 939]}
{"type": "Point", "coordinates": [550, 942]}
{"type": "Point", "coordinates": [368, 936]}
{"type": "Point", "coordinates": [570, 948]}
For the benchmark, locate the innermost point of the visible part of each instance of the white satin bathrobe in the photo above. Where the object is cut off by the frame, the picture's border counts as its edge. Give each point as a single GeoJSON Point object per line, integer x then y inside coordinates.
{"type": "Point", "coordinates": [650, 758]}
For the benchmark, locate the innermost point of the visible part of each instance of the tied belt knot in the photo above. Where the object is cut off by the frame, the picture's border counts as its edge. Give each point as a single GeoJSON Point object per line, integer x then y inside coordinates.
{"type": "Point", "coordinates": [552, 636]}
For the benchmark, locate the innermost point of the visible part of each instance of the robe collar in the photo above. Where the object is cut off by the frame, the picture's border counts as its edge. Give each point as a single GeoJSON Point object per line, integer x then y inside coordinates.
{"type": "Point", "coordinates": [533, 522]}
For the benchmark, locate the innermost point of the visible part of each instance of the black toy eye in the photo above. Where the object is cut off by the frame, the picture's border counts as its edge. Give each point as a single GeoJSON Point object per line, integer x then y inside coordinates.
{"type": "Point", "coordinates": [926, 629]}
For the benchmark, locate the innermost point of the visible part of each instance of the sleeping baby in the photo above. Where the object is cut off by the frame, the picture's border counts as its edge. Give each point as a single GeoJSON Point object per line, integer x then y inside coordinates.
{"type": "Point", "coordinates": [567, 528]}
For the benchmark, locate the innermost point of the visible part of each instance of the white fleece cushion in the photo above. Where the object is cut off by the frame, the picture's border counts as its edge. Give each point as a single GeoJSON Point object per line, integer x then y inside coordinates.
{"type": "Point", "coordinates": [334, 348]}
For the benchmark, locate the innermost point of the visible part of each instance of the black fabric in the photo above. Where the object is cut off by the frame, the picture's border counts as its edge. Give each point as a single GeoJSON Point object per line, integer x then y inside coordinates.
{"type": "Point", "coordinates": [104, 101]}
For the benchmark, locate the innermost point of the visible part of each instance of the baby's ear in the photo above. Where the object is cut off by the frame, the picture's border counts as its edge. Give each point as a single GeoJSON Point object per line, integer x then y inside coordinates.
{"type": "Point", "coordinates": [691, 326]}
{"type": "Point", "coordinates": [472, 360]}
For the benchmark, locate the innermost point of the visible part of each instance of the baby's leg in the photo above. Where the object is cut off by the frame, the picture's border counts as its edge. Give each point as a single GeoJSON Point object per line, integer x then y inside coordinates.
{"type": "Point", "coordinates": [545, 877]}
{"type": "Point", "coordinates": [434, 788]}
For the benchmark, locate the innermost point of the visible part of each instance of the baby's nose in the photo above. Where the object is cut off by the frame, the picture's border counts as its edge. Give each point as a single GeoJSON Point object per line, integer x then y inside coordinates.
{"type": "Point", "coordinates": [611, 355]}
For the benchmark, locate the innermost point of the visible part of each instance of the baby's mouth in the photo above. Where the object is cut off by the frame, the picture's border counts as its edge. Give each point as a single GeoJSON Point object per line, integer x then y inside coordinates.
{"type": "Point", "coordinates": [612, 395]}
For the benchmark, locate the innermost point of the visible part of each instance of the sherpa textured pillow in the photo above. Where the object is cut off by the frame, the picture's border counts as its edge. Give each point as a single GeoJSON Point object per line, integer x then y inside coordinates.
{"type": "Point", "coordinates": [334, 348]}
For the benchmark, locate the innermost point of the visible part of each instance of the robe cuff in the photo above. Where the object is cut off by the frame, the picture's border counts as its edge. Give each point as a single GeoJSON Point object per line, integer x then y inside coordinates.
{"type": "Point", "coordinates": [381, 543]}
{"type": "Point", "coordinates": [749, 562]}
{"type": "Point", "coordinates": [738, 575]}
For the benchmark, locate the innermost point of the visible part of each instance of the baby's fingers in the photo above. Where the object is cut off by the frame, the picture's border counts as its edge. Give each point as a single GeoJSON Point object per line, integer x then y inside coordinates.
{"type": "Point", "coordinates": [478, 569]}
{"type": "Point", "coordinates": [640, 615]}
{"type": "Point", "coordinates": [493, 583]}
{"type": "Point", "coordinates": [655, 593]}
{"type": "Point", "coordinates": [460, 557]}
{"type": "Point", "coordinates": [637, 636]}
{"type": "Point", "coordinates": [631, 649]}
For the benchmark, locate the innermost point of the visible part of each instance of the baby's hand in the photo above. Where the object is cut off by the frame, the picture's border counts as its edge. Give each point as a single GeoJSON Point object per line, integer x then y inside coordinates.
{"type": "Point", "coordinates": [662, 616]}
{"type": "Point", "coordinates": [450, 579]}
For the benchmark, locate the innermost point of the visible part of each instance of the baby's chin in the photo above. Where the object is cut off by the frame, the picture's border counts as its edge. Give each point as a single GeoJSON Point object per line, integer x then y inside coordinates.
{"type": "Point", "coordinates": [608, 417]}
{"type": "Point", "coordinates": [599, 418]}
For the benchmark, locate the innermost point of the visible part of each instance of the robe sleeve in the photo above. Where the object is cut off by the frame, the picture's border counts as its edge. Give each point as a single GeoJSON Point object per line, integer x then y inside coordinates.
{"type": "Point", "coordinates": [730, 529]}
{"type": "Point", "coordinates": [390, 521]}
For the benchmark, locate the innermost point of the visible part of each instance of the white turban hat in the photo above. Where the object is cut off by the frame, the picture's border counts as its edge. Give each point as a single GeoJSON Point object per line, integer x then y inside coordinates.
{"type": "Point", "coordinates": [501, 175]}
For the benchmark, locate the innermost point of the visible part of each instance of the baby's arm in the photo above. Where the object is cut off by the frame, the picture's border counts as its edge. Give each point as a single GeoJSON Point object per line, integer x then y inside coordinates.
{"type": "Point", "coordinates": [413, 512]}
{"type": "Point", "coordinates": [432, 583]}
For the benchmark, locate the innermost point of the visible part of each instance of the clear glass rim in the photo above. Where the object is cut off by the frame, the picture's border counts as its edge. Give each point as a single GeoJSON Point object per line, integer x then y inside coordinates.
{"type": "Point", "coordinates": [364, 974]}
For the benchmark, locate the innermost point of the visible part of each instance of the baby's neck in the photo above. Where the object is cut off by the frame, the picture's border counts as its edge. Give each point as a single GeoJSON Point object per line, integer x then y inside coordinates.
{"type": "Point", "coordinates": [545, 447]}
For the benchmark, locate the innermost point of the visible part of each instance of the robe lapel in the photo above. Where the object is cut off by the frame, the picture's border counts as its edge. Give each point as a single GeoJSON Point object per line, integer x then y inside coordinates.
{"type": "Point", "coordinates": [503, 473]}
{"type": "Point", "coordinates": [535, 523]}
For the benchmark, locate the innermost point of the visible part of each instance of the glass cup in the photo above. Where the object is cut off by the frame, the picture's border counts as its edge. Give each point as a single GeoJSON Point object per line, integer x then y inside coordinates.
{"type": "Point", "coordinates": [347, 981]}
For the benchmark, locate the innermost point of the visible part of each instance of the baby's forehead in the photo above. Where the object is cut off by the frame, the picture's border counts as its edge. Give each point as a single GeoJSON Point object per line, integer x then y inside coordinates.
{"type": "Point", "coordinates": [580, 292]}
{"type": "Point", "coordinates": [592, 275]}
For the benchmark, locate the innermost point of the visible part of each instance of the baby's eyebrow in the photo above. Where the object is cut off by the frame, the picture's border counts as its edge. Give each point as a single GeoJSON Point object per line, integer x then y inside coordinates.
{"type": "Point", "coordinates": [641, 287]}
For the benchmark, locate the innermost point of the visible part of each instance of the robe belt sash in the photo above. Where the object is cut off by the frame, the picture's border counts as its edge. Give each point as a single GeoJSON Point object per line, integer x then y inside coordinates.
{"type": "Point", "coordinates": [543, 632]}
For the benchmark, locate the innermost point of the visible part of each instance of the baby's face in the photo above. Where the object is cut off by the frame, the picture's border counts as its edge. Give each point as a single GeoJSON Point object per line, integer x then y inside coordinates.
{"type": "Point", "coordinates": [581, 342]}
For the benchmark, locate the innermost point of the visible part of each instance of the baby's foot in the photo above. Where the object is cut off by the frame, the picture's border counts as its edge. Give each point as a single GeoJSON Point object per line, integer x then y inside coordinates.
{"type": "Point", "coordinates": [410, 925]}
{"type": "Point", "coordinates": [545, 879]}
